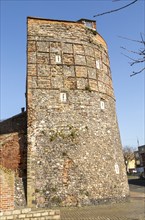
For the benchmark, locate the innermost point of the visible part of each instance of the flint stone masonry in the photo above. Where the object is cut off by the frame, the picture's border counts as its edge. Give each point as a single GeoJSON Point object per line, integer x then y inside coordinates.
{"type": "Point", "coordinates": [74, 150]}
{"type": "Point", "coordinates": [69, 136]}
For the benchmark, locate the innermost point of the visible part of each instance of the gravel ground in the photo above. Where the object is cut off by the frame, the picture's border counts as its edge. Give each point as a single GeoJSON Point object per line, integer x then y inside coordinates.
{"type": "Point", "coordinates": [134, 209]}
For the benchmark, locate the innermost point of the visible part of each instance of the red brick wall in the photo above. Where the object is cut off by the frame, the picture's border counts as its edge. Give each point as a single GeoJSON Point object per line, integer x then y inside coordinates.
{"type": "Point", "coordinates": [6, 189]}
{"type": "Point", "coordinates": [10, 151]}
{"type": "Point", "coordinates": [13, 159]}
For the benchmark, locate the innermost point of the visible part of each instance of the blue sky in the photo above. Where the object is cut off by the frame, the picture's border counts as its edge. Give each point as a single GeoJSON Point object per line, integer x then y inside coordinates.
{"type": "Point", "coordinates": [129, 91]}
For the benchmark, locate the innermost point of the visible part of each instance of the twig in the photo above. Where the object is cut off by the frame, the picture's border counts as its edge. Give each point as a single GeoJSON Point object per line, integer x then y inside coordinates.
{"type": "Point", "coordinates": [135, 73]}
{"type": "Point", "coordinates": [128, 57]}
{"type": "Point", "coordinates": [118, 9]}
{"type": "Point", "coordinates": [125, 38]}
{"type": "Point", "coordinates": [140, 52]}
{"type": "Point", "coordinates": [131, 51]}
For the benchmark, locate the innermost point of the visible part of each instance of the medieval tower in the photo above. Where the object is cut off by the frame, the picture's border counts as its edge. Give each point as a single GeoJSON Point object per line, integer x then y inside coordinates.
{"type": "Point", "coordinates": [74, 148]}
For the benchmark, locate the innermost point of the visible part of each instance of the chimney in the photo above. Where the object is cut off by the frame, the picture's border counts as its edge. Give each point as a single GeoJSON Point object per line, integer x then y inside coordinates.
{"type": "Point", "coordinates": [22, 109]}
{"type": "Point", "coordinates": [88, 23]}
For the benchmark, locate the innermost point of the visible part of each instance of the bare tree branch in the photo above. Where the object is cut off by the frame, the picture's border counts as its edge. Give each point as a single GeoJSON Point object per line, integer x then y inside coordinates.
{"type": "Point", "coordinates": [141, 54]}
{"type": "Point", "coordinates": [128, 154]}
{"type": "Point", "coordinates": [141, 35]}
{"type": "Point", "coordinates": [130, 51]}
{"type": "Point", "coordinates": [126, 38]}
{"type": "Point", "coordinates": [141, 51]}
{"type": "Point", "coordinates": [135, 61]}
{"type": "Point", "coordinates": [115, 10]}
{"type": "Point", "coordinates": [135, 73]}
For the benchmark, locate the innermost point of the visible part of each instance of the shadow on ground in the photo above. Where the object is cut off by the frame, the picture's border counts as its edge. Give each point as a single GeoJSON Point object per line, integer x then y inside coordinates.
{"type": "Point", "coordinates": [137, 182]}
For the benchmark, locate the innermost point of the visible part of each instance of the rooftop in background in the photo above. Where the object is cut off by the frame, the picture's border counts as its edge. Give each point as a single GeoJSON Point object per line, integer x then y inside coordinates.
{"type": "Point", "coordinates": [141, 148]}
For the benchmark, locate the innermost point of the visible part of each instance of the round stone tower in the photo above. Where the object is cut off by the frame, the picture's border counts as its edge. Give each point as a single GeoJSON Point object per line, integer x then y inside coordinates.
{"type": "Point", "coordinates": [74, 148]}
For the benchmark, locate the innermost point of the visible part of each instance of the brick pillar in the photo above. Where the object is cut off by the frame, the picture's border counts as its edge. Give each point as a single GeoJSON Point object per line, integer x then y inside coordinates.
{"type": "Point", "coordinates": [6, 189]}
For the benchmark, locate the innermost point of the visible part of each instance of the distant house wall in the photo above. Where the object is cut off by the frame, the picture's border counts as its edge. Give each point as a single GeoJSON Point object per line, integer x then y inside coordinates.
{"type": "Point", "coordinates": [141, 150]}
{"type": "Point", "coordinates": [131, 165]}
{"type": "Point", "coordinates": [140, 158]}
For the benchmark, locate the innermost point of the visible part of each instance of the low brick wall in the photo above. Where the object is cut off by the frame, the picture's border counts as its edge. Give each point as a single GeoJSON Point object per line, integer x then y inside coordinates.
{"type": "Point", "coordinates": [13, 154]}
{"type": "Point", "coordinates": [28, 214]}
{"type": "Point", "coordinates": [13, 162]}
{"type": "Point", "coordinates": [6, 189]}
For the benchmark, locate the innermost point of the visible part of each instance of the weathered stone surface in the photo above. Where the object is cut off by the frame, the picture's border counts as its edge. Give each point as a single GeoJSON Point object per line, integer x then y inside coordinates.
{"type": "Point", "coordinates": [79, 49]}
{"type": "Point", "coordinates": [93, 85]}
{"type": "Point", "coordinates": [92, 73]}
{"type": "Point", "coordinates": [44, 70]}
{"type": "Point", "coordinates": [55, 47]}
{"type": "Point", "coordinates": [68, 59]}
{"type": "Point", "coordinates": [32, 57]}
{"type": "Point", "coordinates": [42, 58]}
{"type": "Point", "coordinates": [81, 71]}
{"type": "Point", "coordinates": [68, 71]}
{"type": "Point", "coordinates": [20, 190]}
{"type": "Point", "coordinates": [67, 48]}
{"type": "Point", "coordinates": [91, 62]}
{"type": "Point", "coordinates": [33, 82]}
{"type": "Point", "coordinates": [44, 82]}
{"type": "Point", "coordinates": [42, 47]}
{"type": "Point", "coordinates": [56, 70]}
{"type": "Point", "coordinates": [80, 60]}
{"type": "Point", "coordinates": [74, 149]}
{"type": "Point", "coordinates": [57, 82]}
{"type": "Point", "coordinates": [32, 46]}
{"type": "Point", "coordinates": [82, 83]}
{"type": "Point", "coordinates": [89, 50]}
{"type": "Point", "coordinates": [70, 83]}
{"type": "Point", "coordinates": [32, 69]}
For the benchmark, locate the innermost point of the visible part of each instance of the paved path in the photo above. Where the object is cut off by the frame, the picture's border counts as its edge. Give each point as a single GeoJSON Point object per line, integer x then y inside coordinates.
{"type": "Point", "coordinates": [131, 210]}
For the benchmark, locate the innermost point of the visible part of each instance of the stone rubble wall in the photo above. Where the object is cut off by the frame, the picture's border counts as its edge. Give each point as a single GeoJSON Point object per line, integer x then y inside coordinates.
{"type": "Point", "coordinates": [74, 148]}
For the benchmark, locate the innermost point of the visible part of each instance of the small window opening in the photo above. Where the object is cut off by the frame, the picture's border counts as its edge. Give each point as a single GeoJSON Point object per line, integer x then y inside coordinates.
{"type": "Point", "coordinates": [116, 168]}
{"type": "Point", "coordinates": [102, 104]}
{"type": "Point", "coordinates": [58, 59]}
{"type": "Point", "coordinates": [97, 64]}
{"type": "Point", "coordinates": [63, 97]}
